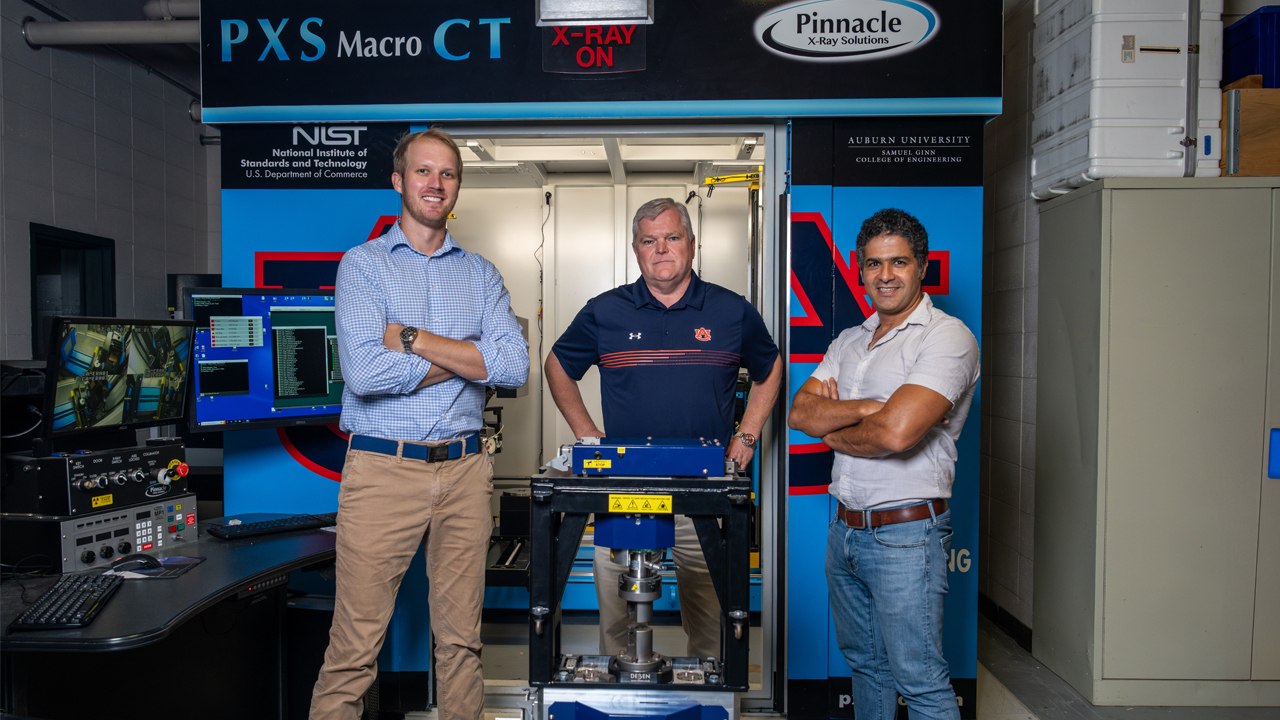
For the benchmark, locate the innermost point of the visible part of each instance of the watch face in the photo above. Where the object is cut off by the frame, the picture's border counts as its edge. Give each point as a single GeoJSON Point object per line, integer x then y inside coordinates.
{"type": "Point", "coordinates": [407, 336]}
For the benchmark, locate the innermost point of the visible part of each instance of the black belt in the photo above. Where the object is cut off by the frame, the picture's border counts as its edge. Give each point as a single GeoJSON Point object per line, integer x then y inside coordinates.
{"type": "Point", "coordinates": [451, 450]}
{"type": "Point", "coordinates": [910, 513]}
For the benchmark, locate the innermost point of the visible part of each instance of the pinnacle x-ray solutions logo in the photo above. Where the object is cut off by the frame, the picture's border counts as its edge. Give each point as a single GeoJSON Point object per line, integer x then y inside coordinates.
{"type": "Point", "coordinates": [846, 30]}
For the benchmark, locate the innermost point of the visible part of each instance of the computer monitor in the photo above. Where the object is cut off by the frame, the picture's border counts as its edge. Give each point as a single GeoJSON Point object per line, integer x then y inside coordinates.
{"type": "Point", "coordinates": [113, 374]}
{"type": "Point", "coordinates": [264, 357]}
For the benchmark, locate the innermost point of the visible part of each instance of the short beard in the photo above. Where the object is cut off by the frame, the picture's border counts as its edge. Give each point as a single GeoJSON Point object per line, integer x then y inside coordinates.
{"type": "Point", "coordinates": [413, 212]}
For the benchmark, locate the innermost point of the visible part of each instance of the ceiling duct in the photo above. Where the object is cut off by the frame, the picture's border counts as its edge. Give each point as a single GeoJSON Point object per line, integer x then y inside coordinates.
{"type": "Point", "coordinates": [594, 12]}
{"type": "Point", "coordinates": [168, 31]}
{"type": "Point", "coordinates": [122, 32]}
{"type": "Point", "coordinates": [171, 9]}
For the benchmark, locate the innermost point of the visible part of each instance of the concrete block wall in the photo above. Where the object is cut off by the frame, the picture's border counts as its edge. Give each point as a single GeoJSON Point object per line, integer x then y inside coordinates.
{"type": "Point", "coordinates": [91, 142]}
{"type": "Point", "coordinates": [1011, 252]}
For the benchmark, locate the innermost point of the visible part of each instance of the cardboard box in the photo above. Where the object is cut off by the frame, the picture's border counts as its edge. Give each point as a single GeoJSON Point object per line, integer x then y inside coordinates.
{"type": "Point", "coordinates": [1250, 129]}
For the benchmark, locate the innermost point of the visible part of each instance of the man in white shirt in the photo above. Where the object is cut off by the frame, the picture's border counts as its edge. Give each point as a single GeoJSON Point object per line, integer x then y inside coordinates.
{"type": "Point", "coordinates": [890, 397]}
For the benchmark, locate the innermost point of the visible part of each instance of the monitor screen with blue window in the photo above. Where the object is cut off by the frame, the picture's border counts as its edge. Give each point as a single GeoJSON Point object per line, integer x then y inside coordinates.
{"type": "Point", "coordinates": [263, 357]}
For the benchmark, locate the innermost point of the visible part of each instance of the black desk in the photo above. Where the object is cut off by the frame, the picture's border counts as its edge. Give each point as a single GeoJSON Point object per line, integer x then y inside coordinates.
{"type": "Point", "coordinates": [188, 646]}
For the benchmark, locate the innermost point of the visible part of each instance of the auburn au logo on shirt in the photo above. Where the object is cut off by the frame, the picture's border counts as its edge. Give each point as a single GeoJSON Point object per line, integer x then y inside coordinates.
{"type": "Point", "coordinates": [702, 334]}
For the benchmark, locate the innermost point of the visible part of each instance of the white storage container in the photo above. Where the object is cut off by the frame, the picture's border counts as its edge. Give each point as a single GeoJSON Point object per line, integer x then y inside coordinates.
{"type": "Point", "coordinates": [1110, 92]}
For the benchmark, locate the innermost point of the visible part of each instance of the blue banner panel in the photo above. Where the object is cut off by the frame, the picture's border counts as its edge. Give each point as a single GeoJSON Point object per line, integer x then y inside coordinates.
{"type": "Point", "coordinates": [845, 171]}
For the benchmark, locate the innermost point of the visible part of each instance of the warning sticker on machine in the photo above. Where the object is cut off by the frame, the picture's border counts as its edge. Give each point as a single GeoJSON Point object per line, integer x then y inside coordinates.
{"type": "Point", "coordinates": [102, 501]}
{"type": "Point", "coordinates": [597, 463]}
{"type": "Point", "coordinates": [640, 503]}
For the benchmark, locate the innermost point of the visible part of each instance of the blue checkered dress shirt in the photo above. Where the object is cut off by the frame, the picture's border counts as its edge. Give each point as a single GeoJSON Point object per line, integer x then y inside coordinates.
{"type": "Point", "coordinates": [452, 292]}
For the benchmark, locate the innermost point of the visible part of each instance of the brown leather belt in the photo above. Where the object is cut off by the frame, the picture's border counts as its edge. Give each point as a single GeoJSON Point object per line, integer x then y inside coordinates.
{"type": "Point", "coordinates": [910, 513]}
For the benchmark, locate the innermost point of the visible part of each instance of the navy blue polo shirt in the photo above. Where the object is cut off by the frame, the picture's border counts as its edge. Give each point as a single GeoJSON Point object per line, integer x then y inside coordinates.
{"type": "Point", "coordinates": [668, 371]}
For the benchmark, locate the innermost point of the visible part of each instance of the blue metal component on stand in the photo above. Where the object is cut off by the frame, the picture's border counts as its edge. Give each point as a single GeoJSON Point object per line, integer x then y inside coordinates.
{"type": "Point", "coordinates": [583, 711]}
{"type": "Point", "coordinates": [650, 457]}
{"type": "Point", "coordinates": [627, 532]}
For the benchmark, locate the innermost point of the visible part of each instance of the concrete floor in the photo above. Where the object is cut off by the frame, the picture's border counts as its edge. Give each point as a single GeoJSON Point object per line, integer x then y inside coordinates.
{"type": "Point", "coordinates": [1049, 697]}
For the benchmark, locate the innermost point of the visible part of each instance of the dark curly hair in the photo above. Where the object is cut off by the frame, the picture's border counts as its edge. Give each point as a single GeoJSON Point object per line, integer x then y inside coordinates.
{"type": "Point", "coordinates": [892, 221]}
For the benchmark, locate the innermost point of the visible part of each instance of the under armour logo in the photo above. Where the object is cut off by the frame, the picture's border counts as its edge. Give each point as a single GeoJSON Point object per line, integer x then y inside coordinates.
{"type": "Point", "coordinates": [634, 336]}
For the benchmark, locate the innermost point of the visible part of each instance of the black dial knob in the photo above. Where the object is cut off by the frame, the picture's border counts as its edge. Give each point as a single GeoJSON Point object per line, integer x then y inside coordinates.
{"type": "Point", "coordinates": [87, 557]}
{"type": "Point", "coordinates": [125, 547]}
{"type": "Point", "coordinates": [105, 551]}
{"type": "Point", "coordinates": [139, 476]}
{"type": "Point", "coordinates": [120, 479]}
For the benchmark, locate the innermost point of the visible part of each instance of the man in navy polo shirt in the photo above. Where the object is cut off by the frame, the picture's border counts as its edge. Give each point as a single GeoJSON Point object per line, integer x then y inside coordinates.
{"type": "Point", "coordinates": [669, 347]}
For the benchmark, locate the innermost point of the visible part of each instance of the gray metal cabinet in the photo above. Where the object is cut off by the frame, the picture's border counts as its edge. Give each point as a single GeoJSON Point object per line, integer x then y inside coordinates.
{"type": "Point", "coordinates": [1157, 530]}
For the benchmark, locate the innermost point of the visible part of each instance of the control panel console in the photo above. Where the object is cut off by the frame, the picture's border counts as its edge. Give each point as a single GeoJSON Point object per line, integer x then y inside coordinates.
{"type": "Point", "coordinates": [79, 483]}
{"type": "Point", "coordinates": [93, 541]}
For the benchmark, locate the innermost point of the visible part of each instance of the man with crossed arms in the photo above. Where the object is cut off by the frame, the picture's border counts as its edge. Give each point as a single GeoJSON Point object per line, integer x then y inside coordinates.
{"type": "Point", "coordinates": [415, 472]}
{"type": "Point", "coordinates": [890, 397]}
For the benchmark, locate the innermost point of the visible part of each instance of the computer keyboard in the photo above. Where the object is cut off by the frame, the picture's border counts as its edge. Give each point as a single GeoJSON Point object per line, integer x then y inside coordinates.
{"type": "Point", "coordinates": [271, 527]}
{"type": "Point", "coordinates": [73, 602]}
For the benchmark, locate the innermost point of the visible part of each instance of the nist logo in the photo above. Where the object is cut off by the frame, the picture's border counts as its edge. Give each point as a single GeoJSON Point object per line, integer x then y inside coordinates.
{"type": "Point", "coordinates": [329, 134]}
{"type": "Point", "coordinates": [846, 30]}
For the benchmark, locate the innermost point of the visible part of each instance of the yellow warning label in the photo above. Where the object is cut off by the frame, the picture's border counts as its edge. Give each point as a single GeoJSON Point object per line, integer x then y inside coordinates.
{"type": "Point", "coordinates": [622, 451]}
{"type": "Point", "coordinates": [648, 504]}
{"type": "Point", "coordinates": [597, 463]}
{"type": "Point", "coordinates": [102, 501]}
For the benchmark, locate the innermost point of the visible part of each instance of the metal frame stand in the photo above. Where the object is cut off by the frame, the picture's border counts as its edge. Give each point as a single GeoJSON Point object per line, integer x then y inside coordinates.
{"type": "Point", "coordinates": [560, 506]}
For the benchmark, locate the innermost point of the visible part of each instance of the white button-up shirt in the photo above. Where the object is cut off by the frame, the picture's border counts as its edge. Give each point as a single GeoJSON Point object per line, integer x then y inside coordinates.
{"type": "Point", "coordinates": [931, 349]}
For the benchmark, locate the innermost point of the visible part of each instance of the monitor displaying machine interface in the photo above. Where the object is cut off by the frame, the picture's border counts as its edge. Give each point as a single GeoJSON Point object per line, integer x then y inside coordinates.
{"type": "Point", "coordinates": [110, 373]}
{"type": "Point", "coordinates": [263, 357]}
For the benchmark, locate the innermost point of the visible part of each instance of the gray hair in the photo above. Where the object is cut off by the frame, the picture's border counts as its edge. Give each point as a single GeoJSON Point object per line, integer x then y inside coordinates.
{"type": "Point", "coordinates": [652, 209]}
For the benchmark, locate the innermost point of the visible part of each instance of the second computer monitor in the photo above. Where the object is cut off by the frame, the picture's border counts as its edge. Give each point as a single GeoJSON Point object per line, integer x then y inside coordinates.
{"type": "Point", "coordinates": [264, 357]}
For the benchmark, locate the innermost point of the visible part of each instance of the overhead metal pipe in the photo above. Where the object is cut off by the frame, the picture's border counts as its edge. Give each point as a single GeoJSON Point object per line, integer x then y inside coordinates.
{"type": "Point", "coordinates": [170, 9]}
{"type": "Point", "coordinates": [125, 32]}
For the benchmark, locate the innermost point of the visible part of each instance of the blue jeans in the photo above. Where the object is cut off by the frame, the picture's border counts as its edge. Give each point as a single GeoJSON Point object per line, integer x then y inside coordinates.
{"type": "Point", "coordinates": [886, 586]}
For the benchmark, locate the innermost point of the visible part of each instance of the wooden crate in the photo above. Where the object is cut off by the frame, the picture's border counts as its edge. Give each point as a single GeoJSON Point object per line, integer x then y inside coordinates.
{"type": "Point", "coordinates": [1250, 129]}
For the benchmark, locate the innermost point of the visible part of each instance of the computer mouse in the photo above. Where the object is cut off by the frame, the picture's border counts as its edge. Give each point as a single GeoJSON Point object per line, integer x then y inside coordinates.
{"type": "Point", "coordinates": [136, 561]}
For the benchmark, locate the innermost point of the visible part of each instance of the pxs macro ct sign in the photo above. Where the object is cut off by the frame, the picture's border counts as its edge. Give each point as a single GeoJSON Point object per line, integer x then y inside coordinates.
{"type": "Point", "coordinates": [407, 60]}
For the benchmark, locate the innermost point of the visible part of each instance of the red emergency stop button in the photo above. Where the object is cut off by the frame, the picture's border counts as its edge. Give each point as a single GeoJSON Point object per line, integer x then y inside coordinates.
{"type": "Point", "coordinates": [183, 469]}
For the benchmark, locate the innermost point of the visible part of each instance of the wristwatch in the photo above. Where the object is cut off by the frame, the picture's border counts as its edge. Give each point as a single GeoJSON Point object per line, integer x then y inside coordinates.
{"type": "Point", "coordinates": [407, 336]}
{"type": "Point", "coordinates": [748, 439]}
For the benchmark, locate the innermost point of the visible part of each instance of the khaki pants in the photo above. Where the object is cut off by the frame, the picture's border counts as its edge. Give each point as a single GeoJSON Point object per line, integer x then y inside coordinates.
{"type": "Point", "coordinates": [387, 505]}
{"type": "Point", "coordinates": [699, 607]}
